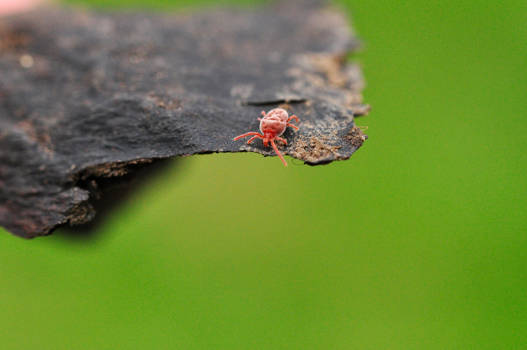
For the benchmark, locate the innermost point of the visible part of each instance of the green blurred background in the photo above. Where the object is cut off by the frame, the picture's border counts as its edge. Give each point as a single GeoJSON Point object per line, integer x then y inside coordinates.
{"type": "Point", "coordinates": [417, 242]}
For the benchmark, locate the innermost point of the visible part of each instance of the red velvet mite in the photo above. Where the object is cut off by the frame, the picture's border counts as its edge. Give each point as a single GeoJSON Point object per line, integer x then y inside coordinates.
{"type": "Point", "coordinates": [272, 126]}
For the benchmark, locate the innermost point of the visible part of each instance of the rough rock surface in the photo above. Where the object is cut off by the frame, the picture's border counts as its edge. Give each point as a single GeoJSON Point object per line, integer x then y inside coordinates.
{"type": "Point", "coordinates": [88, 96]}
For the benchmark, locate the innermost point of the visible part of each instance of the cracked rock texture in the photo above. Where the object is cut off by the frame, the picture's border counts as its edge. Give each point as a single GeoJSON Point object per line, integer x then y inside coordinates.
{"type": "Point", "coordinates": [87, 97]}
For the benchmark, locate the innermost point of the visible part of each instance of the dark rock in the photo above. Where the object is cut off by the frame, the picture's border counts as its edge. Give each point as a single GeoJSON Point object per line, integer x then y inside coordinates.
{"type": "Point", "coordinates": [89, 96]}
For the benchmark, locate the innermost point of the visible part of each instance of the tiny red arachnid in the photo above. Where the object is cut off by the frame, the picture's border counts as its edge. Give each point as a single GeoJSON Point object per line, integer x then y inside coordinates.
{"type": "Point", "coordinates": [272, 126]}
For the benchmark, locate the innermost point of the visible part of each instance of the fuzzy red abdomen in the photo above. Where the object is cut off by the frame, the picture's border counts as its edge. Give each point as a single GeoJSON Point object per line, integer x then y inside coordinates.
{"type": "Point", "coordinates": [279, 113]}
{"type": "Point", "coordinates": [273, 126]}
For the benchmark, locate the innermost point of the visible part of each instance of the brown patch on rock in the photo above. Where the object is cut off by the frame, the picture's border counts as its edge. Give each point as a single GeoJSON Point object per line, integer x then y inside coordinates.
{"type": "Point", "coordinates": [13, 40]}
{"type": "Point", "coordinates": [165, 102]}
{"type": "Point", "coordinates": [111, 169]}
{"type": "Point", "coordinates": [314, 151]}
{"type": "Point", "coordinates": [331, 66]}
{"type": "Point", "coordinates": [356, 136]}
{"type": "Point", "coordinates": [43, 140]}
{"type": "Point", "coordinates": [81, 213]}
{"type": "Point", "coordinates": [360, 109]}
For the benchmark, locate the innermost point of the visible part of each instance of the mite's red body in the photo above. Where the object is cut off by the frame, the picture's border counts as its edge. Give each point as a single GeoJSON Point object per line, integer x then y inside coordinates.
{"type": "Point", "coordinates": [272, 126]}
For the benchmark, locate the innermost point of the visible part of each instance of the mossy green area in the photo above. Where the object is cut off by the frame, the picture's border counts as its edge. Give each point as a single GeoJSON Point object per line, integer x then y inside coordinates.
{"type": "Point", "coordinates": [417, 242]}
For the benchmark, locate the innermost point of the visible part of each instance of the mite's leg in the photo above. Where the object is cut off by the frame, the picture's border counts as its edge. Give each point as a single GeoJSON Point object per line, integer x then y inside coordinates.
{"type": "Point", "coordinates": [282, 140]}
{"type": "Point", "coordinates": [253, 138]}
{"type": "Point", "coordinates": [293, 117]}
{"type": "Point", "coordinates": [292, 126]}
{"type": "Point", "coordinates": [263, 114]}
{"type": "Point", "coordinates": [278, 153]}
{"type": "Point", "coordinates": [247, 134]}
